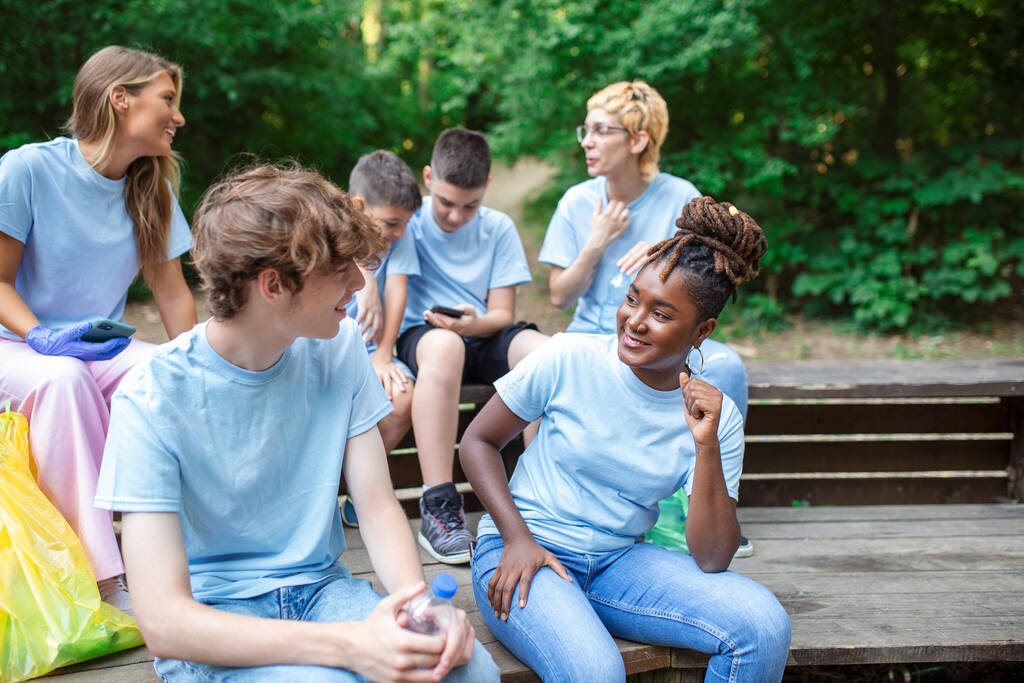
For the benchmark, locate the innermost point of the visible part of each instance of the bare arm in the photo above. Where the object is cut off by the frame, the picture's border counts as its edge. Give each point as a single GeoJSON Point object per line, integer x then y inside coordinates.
{"type": "Point", "coordinates": [501, 310]}
{"type": "Point", "coordinates": [390, 375]}
{"type": "Point", "coordinates": [479, 454]}
{"type": "Point", "coordinates": [382, 523]}
{"type": "Point", "coordinates": [568, 284]}
{"type": "Point", "coordinates": [15, 314]}
{"type": "Point", "coordinates": [388, 539]}
{"type": "Point", "coordinates": [712, 531]}
{"type": "Point", "coordinates": [173, 298]}
{"type": "Point", "coordinates": [368, 306]}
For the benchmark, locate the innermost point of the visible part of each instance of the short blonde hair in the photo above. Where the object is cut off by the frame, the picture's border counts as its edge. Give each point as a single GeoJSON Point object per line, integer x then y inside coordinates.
{"type": "Point", "coordinates": [282, 217]}
{"type": "Point", "coordinates": [640, 108]}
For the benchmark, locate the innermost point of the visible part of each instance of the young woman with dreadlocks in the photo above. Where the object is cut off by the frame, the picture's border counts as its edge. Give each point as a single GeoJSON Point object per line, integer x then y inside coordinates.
{"type": "Point", "coordinates": [558, 570]}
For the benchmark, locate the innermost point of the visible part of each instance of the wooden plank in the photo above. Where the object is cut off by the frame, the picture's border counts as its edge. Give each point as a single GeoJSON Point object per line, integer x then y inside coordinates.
{"type": "Point", "coordinates": [961, 553]}
{"type": "Point", "coordinates": [138, 659]}
{"type": "Point", "coordinates": [878, 639]}
{"type": "Point", "coordinates": [879, 529]}
{"type": "Point", "coordinates": [880, 456]}
{"type": "Point", "coordinates": [849, 418]}
{"type": "Point", "coordinates": [928, 513]}
{"type": "Point", "coordinates": [880, 584]}
{"type": "Point", "coordinates": [132, 673]}
{"type": "Point", "coordinates": [886, 378]}
{"type": "Point", "coordinates": [873, 492]}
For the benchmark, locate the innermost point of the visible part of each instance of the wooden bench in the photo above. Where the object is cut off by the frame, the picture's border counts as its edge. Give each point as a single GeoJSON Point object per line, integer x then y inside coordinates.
{"type": "Point", "coordinates": [872, 580]}
{"type": "Point", "coordinates": [851, 432]}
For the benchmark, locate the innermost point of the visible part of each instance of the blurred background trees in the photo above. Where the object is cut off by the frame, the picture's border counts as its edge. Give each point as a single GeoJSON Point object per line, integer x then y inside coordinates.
{"type": "Point", "coordinates": [879, 142]}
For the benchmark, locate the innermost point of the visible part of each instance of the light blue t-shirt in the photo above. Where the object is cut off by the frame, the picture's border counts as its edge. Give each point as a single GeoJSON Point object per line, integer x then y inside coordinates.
{"type": "Point", "coordinates": [400, 259]}
{"type": "Point", "coordinates": [250, 461]}
{"type": "Point", "coordinates": [463, 266]}
{"type": "Point", "coordinates": [80, 255]}
{"type": "Point", "coordinates": [609, 447]}
{"type": "Point", "coordinates": [652, 219]}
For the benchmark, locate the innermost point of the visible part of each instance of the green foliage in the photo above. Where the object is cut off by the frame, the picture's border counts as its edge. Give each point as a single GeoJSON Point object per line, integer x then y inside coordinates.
{"type": "Point", "coordinates": [879, 144]}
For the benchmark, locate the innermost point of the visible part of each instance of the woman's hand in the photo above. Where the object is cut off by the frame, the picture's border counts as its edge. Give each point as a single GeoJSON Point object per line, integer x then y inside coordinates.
{"type": "Point", "coordinates": [606, 225]}
{"type": "Point", "coordinates": [633, 259]}
{"type": "Point", "coordinates": [703, 408]}
{"type": "Point", "coordinates": [519, 561]}
{"type": "Point", "coordinates": [67, 342]}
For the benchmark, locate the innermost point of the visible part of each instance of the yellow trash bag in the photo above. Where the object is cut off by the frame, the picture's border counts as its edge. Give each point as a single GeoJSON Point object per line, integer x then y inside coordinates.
{"type": "Point", "coordinates": [50, 609]}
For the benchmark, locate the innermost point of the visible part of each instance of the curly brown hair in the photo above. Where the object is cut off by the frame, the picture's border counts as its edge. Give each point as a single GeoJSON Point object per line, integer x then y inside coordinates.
{"type": "Point", "coordinates": [716, 247]}
{"type": "Point", "coordinates": [282, 217]}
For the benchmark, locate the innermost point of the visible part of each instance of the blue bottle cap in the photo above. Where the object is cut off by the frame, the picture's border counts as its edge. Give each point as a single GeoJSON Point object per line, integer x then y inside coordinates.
{"type": "Point", "coordinates": [444, 586]}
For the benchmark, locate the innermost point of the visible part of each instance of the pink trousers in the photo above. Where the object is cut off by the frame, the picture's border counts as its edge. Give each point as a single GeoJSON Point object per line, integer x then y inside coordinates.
{"type": "Point", "coordinates": [67, 404]}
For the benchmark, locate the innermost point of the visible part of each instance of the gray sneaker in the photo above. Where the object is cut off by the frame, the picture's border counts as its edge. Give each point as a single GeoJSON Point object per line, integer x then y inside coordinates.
{"type": "Point", "coordinates": [746, 548]}
{"type": "Point", "coordinates": [443, 529]}
{"type": "Point", "coordinates": [114, 591]}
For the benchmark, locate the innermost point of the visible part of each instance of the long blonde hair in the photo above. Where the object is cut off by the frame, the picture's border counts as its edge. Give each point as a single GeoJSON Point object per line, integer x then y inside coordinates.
{"type": "Point", "coordinates": [151, 183]}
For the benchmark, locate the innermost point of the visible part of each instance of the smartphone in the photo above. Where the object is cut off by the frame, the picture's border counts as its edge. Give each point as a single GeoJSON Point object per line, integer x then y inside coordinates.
{"type": "Point", "coordinates": [450, 312]}
{"type": "Point", "coordinates": [104, 329]}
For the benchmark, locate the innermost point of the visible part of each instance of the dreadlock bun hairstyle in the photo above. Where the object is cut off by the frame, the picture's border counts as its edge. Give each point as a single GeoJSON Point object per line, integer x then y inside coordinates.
{"type": "Point", "coordinates": [715, 248]}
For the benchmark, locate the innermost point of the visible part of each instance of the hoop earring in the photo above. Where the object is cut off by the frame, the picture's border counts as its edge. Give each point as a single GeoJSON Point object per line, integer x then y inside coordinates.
{"type": "Point", "coordinates": [699, 353]}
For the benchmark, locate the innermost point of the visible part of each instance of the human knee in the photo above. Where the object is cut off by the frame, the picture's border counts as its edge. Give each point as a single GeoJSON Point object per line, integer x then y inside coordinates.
{"type": "Point", "coordinates": [401, 401]}
{"type": "Point", "coordinates": [596, 664]}
{"type": "Point", "coordinates": [523, 344]}
{"type": "Point", "coordinates": [767, 629]}
{"type": "Point", "coordinates": [480, 668]}
{"type": "Point", "coordinates": [440, 353]}
{"type": "Point", "coordinates": [63, 373]}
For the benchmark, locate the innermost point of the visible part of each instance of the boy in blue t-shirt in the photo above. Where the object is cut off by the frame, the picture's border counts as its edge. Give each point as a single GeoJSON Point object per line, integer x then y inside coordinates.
{"type": "Point", "coordinates": [385, 186]}
{"type": "Point", "coordinates": [225, 450]}
{"type": "Point", "coordinates": [471, 259]}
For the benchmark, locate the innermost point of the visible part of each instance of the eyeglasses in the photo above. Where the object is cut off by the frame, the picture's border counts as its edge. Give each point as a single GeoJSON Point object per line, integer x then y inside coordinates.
{"type": "Point", "coordinates": [600, 130]}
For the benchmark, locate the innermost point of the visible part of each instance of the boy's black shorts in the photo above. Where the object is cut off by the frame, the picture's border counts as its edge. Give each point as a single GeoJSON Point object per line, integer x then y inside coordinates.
{"type": "Point", "coordinates": [486, 357]}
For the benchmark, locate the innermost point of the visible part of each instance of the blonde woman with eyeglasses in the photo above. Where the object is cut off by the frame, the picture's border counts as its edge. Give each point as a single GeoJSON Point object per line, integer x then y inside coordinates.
{"type": "Point", "coordinates": [79, 217]}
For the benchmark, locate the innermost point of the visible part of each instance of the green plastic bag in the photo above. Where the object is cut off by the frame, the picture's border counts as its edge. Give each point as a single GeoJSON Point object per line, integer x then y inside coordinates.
{"type": "Point", "coordinates": [50, 609]}
{"type": "Point", "coordinates": [670, 529]}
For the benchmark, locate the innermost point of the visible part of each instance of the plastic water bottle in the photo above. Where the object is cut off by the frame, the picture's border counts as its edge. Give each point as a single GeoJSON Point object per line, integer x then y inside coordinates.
{"type": "Point", "coordinates": [431, 612]}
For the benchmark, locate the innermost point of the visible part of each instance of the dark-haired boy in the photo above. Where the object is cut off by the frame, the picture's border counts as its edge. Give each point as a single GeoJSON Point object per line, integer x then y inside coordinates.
{"type": "Point", "coordinates": [471, 260]}
{"type": "Point", "coordinates": [225, 450]}
{"type": "Point", "coordinates": [386, 187]}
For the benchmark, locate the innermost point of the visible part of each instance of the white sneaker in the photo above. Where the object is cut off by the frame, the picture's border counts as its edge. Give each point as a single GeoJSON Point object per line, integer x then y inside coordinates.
{"type": "Point", "coordinates": [746, 548]}
{"type": "Point", "coordinates": [114, 591]}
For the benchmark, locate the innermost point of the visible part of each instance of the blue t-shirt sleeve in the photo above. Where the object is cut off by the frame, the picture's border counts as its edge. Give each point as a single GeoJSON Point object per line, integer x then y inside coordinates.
{"type": "Point", "coordinates": [370, 404]}
{"type": "Point", "coordinates": [15, 196]}
{"type": "Point", "coordinates": [528, 387]}
{"type": "Point", "coordinates": [730, 446]}
{"type": "Point", "coordinates": [560, 247]}
{"type": "Point", "coordinates": [509, 265]}
{"type": "Point", "coordinates": [403, 259]}
{"type": "Point", "coordinates": [140, 473]}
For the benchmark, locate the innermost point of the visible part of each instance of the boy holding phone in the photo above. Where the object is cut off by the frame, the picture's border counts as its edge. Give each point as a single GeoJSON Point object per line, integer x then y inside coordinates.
{"type": "Point", "coordinates": [225, 450]}
{"type": "Point", "coordinates": [471, 260]}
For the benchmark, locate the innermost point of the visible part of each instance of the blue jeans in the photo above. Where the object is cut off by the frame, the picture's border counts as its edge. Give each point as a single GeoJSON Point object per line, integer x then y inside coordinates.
{"type": "Point", "coordinates": [342, 599]}
{"type": "Point", "coordinates": [643, 593]}
{"type": "Point", "coordinates": [723, 369]}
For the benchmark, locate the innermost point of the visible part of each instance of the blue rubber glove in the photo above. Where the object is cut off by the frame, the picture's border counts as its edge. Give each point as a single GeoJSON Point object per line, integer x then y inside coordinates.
{"type": "Point", "coordinates": [66, 342]}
